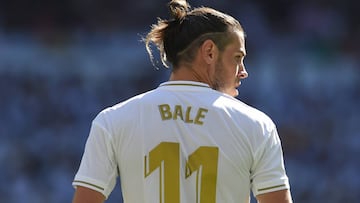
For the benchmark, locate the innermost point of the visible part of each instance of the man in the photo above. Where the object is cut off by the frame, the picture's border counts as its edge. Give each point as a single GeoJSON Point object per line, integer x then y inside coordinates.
{"type": "Point", "coordinates": [189, 140]}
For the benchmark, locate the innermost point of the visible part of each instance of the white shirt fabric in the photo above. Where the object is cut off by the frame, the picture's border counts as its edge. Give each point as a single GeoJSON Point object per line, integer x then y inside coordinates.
{"type": "Point", "coordinates": [179, 142]}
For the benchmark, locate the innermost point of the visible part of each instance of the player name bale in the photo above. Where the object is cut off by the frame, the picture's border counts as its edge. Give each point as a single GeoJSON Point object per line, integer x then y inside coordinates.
{"type": "Point", "coordinates": [187, 114]}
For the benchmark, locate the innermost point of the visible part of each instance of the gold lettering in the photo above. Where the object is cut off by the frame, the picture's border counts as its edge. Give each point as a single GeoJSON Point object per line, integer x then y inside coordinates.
{"type": "Point", "coordinates": [200, 114]}
{"type": "Point", "coordinates": [165, 111]}
{"type": "Point", "coordinates": [178, 112]}
{"type": "Point", "coordinates": [188, 119]}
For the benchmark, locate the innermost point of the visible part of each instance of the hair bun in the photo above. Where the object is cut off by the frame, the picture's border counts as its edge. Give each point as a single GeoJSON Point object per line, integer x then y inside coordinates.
{"type": "Point", "coordinates": [178, 8]}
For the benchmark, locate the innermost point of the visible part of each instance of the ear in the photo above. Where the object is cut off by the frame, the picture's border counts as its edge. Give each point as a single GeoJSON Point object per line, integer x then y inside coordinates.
{"type": "Point", "coordinates": [209, 51]}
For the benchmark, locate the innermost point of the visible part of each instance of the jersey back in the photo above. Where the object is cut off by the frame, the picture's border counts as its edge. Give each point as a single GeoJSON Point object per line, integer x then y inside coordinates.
{"type": "Point", "coordinates": [184, 142]}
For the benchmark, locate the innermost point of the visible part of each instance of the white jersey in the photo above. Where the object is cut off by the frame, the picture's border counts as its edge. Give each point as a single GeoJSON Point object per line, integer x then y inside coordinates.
{"type": "Point", "coordinates": [183, 142]}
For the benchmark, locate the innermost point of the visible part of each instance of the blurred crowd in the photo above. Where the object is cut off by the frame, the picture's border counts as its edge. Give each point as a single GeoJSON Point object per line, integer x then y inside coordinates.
{"type": "Point", "coordinates": [61, 62]}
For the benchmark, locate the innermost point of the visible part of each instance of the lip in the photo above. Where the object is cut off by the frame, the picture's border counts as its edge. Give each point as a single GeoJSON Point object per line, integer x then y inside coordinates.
{"type": "Point", "coordinates": [238, 83]}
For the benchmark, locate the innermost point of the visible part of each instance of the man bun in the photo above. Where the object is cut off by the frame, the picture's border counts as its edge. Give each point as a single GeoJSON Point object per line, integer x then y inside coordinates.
{"type": "Point", "coordinates": [178, 9]}
{"type": "Point", "coordinates": [179, 37]}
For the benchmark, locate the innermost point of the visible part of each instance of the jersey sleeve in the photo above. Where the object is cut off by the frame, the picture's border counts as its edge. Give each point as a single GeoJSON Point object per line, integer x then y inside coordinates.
{"type": "Point", "coordinates": [268, 171]}
{"type": "Point", "coordinates": [98, 168]}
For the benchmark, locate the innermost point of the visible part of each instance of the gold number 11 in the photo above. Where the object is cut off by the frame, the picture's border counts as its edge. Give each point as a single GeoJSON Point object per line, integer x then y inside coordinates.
{"type": "Point", "coordinates": [203, 161]}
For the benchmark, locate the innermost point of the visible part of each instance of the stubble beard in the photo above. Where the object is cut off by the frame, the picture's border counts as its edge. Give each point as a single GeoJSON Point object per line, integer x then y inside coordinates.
{"type": "Point", "coordinates": [218, 82]}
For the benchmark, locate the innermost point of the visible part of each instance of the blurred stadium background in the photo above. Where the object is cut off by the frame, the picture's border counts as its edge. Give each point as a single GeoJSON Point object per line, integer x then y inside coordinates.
{"type": "Point", "coordinates": [61, 62]}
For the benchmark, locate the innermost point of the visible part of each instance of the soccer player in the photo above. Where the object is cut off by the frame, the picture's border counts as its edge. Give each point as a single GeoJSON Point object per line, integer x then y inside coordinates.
{"type": "Point", "coordinates": [189, 140]}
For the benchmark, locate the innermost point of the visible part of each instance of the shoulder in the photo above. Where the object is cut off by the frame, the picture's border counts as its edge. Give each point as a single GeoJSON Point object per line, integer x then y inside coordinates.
{"type": "Point", "coordinates": [129, 104]}
{"type": "Point", "coordinates": [259, 117]}
{"type": "Point", "coordinates": [256, 122]}
{"type": "Point", "coordinates": [251, 113]}
{"type": "Point", "coordinates": [122, 110]}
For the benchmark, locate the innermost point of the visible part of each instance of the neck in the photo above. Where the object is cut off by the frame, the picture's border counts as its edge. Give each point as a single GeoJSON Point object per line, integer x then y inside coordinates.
{"type": "Point", "coordinates": [189, 74]}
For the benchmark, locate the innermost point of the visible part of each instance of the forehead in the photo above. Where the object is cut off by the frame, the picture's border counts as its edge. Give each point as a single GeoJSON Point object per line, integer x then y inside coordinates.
{"type": "Point", "coordinates": [238, 42]}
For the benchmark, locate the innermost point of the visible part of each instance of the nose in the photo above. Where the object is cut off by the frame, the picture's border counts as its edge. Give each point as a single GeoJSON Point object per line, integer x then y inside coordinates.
{"type": "Point", "coordinates": [242, 72]}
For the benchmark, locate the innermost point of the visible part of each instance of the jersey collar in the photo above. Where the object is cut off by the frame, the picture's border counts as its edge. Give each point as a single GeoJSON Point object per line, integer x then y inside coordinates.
{"type": "Point", "coordinates": [184, 83]}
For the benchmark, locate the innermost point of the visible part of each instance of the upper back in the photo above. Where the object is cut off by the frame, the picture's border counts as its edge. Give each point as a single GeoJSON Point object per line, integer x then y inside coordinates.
{"type": "Point", "coordinates": [178, 130]}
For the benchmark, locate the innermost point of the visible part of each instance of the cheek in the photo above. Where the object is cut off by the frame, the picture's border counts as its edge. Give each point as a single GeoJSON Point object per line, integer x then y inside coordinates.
{"type": "Point", "coordinates": [232, 67]}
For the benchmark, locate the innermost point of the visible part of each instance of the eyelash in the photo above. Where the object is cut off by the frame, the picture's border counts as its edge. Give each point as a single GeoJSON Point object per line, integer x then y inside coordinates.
{"type": "Point", "coordinates": [239, 59]}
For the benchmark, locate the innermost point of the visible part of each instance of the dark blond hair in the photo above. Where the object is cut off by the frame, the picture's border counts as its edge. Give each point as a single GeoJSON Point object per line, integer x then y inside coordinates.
{"type": "Point", "coordinates": [178, 38]}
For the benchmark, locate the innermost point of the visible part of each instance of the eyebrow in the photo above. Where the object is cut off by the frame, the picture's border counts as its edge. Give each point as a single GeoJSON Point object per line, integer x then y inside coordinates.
{"type": "Point", "coordinates": [243, 53]}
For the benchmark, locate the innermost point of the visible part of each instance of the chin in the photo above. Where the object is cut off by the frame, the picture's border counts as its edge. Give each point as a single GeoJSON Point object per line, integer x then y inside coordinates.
{"type": "Point", "coordinates": [234, 92]}
{"type": "Point", "coordinates": [230, 91]}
